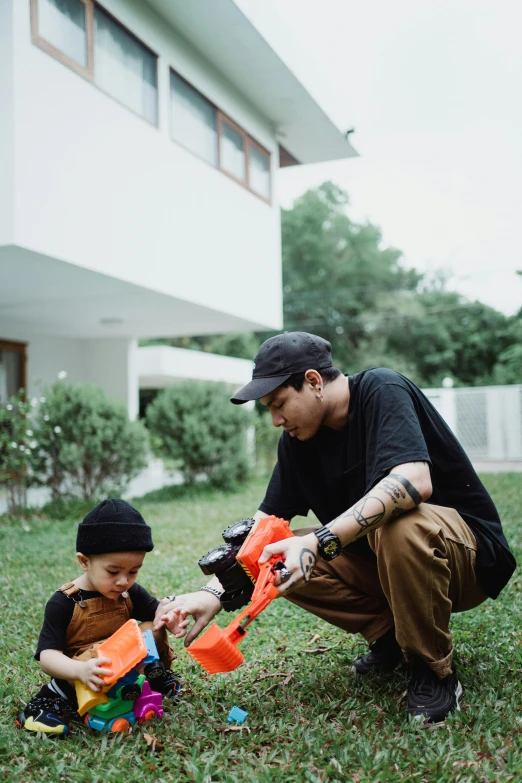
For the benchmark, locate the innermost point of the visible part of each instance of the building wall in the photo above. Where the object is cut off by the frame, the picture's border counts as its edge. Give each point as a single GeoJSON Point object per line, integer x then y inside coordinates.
{"type": "Point", "coordinates": [6, 127]}
{"type": "Point", "coordinates": [100, 187]}
{"type": "Point", "coordinates": [110, 363]}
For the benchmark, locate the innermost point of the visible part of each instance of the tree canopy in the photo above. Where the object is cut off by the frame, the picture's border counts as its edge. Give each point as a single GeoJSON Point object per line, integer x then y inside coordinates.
{"type": "Point", "coordinates": [341, 281]}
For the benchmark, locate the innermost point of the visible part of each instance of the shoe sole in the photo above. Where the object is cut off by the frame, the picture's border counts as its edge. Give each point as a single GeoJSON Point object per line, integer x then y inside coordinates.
{"type": "Point", "coordinates": [458, 694]}
{"type": "Point", "coordinates": [35, 726]}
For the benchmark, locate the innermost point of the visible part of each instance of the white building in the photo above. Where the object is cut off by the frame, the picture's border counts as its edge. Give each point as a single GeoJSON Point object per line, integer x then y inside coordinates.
{"type": "Point", "coordinates": [139, 140]}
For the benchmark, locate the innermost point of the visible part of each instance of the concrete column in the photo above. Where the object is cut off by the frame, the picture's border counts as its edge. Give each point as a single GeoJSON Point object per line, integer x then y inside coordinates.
{"type": "Point", "coordinates": [511, 402]}
{"type": "Point", "coordinates": [112, 363]}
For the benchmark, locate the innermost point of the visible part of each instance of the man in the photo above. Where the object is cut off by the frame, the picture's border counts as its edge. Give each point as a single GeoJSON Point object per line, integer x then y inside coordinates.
{"type": "Point", "coordinates": [409, 533]}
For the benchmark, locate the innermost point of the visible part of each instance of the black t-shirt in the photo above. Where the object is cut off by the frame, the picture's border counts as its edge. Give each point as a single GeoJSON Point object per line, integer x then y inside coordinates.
{"type": "Point", "coordinates": [59, 611]}
{"type": "Point", "coordinates": [390, 422]}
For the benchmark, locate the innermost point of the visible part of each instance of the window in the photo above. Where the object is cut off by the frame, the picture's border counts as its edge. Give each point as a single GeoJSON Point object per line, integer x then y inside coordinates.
{"type": "Point", "coordinates": [203, 129]}
{"type": "Point", "coordinates": [82, 35]}
{"type": "Point", "coordinates": [12, 369]}
{"type": "Point", "coordinates": [259, 170]}
{"type": "Point", "coordinates": [193, 120]}
{"type": "Point", "coordinates": [64, 29]}
{"type": "Point", "coordinates": [232, 153]}
{"type": "Point", "coordinates": [124, 68]}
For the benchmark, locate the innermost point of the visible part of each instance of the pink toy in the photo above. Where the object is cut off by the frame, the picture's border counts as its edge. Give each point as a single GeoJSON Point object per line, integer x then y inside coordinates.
{"type": "Point", "coordinates": [148, 704]}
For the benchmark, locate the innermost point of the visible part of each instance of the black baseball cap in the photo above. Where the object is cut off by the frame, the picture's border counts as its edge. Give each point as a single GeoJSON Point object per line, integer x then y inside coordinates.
{"type": "Point", "coordinates": [280, 357]}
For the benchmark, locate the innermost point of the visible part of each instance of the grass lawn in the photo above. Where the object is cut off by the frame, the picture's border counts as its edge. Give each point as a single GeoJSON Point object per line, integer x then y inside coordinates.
{"type": "Point", "coordinates": [309, 720]}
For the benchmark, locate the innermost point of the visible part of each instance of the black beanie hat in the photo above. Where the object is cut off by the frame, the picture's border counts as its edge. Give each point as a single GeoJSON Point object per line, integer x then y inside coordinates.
{"type": "Point", "coordinates": [113, 526]}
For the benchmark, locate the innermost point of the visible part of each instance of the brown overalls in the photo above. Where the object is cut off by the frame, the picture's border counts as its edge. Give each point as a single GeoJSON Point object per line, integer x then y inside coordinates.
{"type": "Point", "coordinates": [99, 619]}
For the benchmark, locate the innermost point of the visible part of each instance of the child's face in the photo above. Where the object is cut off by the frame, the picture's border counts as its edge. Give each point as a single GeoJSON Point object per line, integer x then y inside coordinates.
{"type": "Point", "coordinates": [111, 574]}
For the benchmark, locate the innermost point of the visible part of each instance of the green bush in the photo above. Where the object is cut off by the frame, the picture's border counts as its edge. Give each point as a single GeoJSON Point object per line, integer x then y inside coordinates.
{"type": "Point", "coordinates": [16, 446]}
{"type": "Point", "coordinates": [195, 424]}
{"type": "Point", "coordinates": [267, 438]}
{"type": "Point", "coordinates": [87, 447]}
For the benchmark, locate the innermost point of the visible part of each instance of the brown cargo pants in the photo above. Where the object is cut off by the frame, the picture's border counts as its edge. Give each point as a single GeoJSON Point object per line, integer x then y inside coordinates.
{"type": "Point", "coordinates": [425, 570]}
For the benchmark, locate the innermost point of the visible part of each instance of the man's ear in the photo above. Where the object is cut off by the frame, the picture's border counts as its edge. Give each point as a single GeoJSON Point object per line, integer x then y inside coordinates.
{"type": "Point", "coordinates": [313, 379]}
{"type": "Point", "coordinates": [83, 561]}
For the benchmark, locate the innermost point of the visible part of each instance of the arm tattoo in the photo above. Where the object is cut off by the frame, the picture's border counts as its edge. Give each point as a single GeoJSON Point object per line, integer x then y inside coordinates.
{"type": "Point", "coordinates": [412, 492]}
{"type": "Point", "coordinates": [397, 488]}
{"type": "Point", "coordinates": [360, 512]}
{"type": "Point", "coordinates": [364, 519]}
{"type": "Point", "coordinates": [307, 560]}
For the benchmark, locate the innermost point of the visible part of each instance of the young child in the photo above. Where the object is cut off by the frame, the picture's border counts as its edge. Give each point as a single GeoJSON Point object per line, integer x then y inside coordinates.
{"type": "Point", "coordinates": [111, 545]}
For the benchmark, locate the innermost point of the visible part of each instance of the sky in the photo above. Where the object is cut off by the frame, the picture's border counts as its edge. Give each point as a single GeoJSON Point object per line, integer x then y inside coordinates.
{"type": "Point", "coordinates": [434, 91]}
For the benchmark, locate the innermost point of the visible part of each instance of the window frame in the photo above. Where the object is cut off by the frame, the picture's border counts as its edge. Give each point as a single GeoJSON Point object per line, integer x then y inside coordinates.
{"type": "Point", "coordinates": [248, 141]}
{"type": "Point", "coordinates": [16, 347]}
{"type": "Point", "coordinates": [221, 118]}
{"type": "Point", "coordinates": [253, 143]}
{"type": "Point", "coordinates": [43, 43]}
{"type": "Point", "coordinates": [88, 73]}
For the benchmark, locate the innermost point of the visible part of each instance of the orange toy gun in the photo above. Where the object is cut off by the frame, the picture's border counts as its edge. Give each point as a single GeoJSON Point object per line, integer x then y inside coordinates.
{"type": "Point", "coordinates": [216, 650]}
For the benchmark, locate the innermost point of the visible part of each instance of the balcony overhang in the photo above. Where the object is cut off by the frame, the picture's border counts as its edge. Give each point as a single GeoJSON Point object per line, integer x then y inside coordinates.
{"type": "Point", "coordinates": [55, 298]}
{"type": "Point", "coordinates": [231, 43]}
{"type": "Point", "coordinates": [163, 365]}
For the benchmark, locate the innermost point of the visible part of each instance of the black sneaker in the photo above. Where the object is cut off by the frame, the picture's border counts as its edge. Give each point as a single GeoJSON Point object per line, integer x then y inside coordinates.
{"type": "Point", "coordinates": [47, 712]}
{"type": "Point", "coordinates": [384, 656]}
{"type": "Point", "coordinates": [164, 681]}
{"type": "Point", "coordinates": [430, 698]}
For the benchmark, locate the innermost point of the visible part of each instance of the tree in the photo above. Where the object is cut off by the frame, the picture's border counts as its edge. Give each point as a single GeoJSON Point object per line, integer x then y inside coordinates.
{"type": "Point", "coordinates": [338, 279]}
{"type": "Point", "coordinates": [451, 336]}
{"type": "Point", "coordinates": [341, 282]}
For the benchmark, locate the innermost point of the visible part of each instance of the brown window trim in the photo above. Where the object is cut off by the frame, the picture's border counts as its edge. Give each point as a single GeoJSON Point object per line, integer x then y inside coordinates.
{"type": "Point", "coordinates": [247, 141]}
{"type": "Point", "coordinates": [10, 345]}
{"type": "Point", "coordinates": [88, 73]}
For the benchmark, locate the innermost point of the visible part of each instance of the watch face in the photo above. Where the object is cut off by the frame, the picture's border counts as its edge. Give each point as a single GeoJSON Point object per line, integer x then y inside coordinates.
{"type": "Point", "coordinates": [331, 548]}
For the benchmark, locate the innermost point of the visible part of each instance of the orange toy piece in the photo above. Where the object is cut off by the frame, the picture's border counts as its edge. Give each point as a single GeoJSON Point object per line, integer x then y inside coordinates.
{"type": "Point", "coordinates": [267, 531]}
{"type": "Point", "coordinates": [216, 649]}
{"type": "Point", "coordinates": [125, 648]}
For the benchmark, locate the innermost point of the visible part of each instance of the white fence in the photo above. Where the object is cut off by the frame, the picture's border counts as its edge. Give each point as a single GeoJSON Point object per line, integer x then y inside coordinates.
{"type": "Point", "coordinates": [487, 420]}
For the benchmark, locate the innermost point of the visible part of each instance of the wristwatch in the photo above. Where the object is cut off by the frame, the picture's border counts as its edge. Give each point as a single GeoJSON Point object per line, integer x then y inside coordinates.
{"type": "Point", "coordinates": [329, 544]}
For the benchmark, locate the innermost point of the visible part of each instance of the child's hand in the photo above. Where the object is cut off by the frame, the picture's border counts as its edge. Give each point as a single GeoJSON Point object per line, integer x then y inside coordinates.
{"type": "Point", "coordinates": [91, 673]}
{"type": "Point", "coordinates": [202, 606]}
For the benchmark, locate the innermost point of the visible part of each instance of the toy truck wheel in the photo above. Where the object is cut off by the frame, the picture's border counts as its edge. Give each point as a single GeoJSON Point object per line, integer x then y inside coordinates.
{"type": "Point", "coordinates": [130, 692]}
{"type": "Point", "coordinates": [154, 670]}
{"type": "Point", "coordinates": [217, 560]}
{"type": "Point", "coordinates": [149, 715]}
{"type": "Point", "coordinates": [120, 724]}
{"type": "Point", "coordinates": [237, 533]}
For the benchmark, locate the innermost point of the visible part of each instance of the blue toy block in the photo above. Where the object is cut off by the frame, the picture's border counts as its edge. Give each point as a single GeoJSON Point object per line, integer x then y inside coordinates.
{"type": "Point", "coordinates": [152, 650]}
{"type": "Point", "coordinates": [237, 715]}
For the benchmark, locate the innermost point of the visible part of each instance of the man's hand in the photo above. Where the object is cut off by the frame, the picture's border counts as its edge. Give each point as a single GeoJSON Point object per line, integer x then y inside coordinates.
{"type": "Point", "coordinates": [91, 673]}
{"type": "Point", "coordinates": [300, 556]}
{"type": "Point", "coordinates": [202, 606]}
